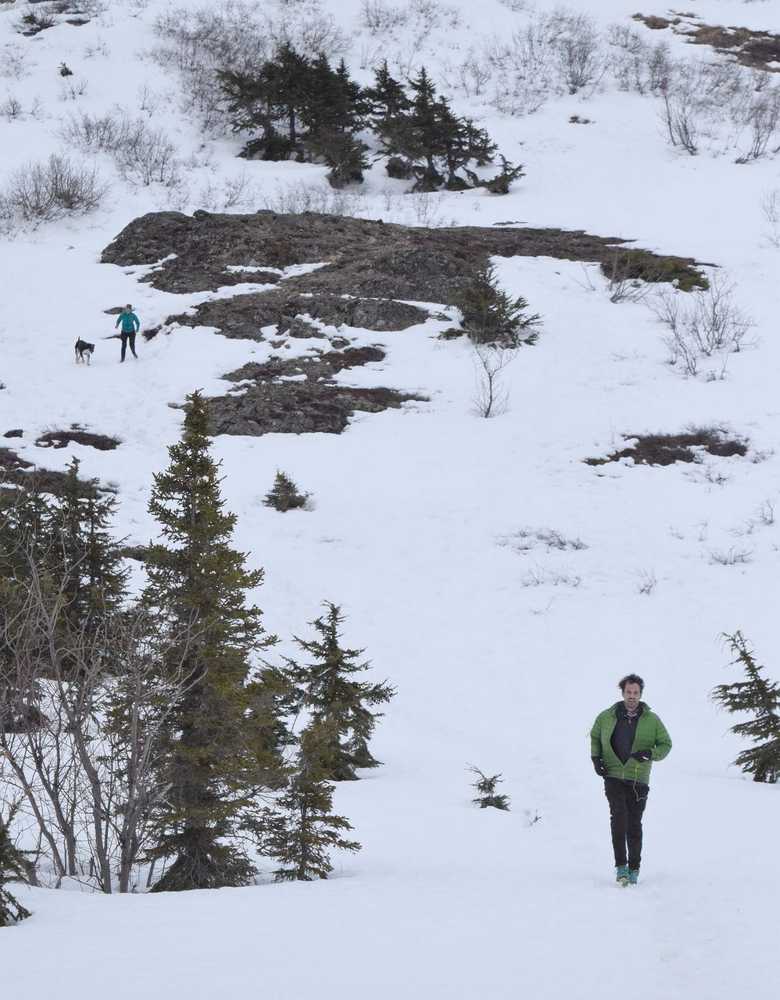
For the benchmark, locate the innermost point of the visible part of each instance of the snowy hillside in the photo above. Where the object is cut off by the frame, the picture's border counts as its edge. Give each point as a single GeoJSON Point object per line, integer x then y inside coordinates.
{"type": "Point", "coordinates": [429, 527]}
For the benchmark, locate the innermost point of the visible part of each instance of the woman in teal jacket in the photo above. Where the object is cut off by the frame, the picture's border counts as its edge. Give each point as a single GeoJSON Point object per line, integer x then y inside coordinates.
{"type": "Point", "coordinates": [130, 327]}
{"type": "Point", "coordinates": [624, 741]}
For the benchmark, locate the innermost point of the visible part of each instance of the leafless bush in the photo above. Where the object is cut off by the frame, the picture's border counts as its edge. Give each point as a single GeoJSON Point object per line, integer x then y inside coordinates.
{"type": "Point", "coordinates": [97, 133]}
{"type": "Point", "coordinates": [320, 198]}
{"type": "Point", "coordinates": [766, 513]}
{"type": "Point", "coordinates": [149, 159]}
{"type": "Point", "coordinates": [80, 731]}
{"type": "Point", "coordinates": [761, 119]}
{"type": "Point", "coordinates": [522, 68]}
{"type": "Point", "coordinates": [143, 155]}
{"type": "Point", "coordinates": [528, 539]}
{"type": "Point", "coordinates": [14, 62]}
{"type": "Point", "coordinates": [577, 45]}
{"type": "Point", "coordinates": [646, 582]}
{"type": "Point", "coordinates": [731, 557]}
{"type": "Point", "coordinates": [41, 192]}
{"type": "Point", "coordinates": [622, 286]}
{"type": "Point", "coordinates": [637, 65]}
{"type": "Point", "coordinates": [380, 18]}
{"type": "Point", "coordinates": [491, 398]}
{"type": "Point", "coordinates": [539, 577]}
{"type": "Point", "coordinates": [11, 108]}
{"type": "Point", "coordinates": [770, 208]}
{"type": "Point", "coordinates": [72, 90]}
{"type": "Point", "coordinates": [703, 324]}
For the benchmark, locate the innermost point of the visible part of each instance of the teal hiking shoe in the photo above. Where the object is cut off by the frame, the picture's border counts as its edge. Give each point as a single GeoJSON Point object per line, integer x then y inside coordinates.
{"type": "Point", "coordinates": [633, 876]}
{"type": "Point", "coordinates": [622, 874]}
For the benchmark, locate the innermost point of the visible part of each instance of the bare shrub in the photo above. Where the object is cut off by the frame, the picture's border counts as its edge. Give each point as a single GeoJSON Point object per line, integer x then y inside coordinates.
{"type": "Point", "coordinates": [80, 731]}
{"type": "Point", "coordinates": [150, 158]}
{"type": "Point", "coordinates": [297, 198]}
{"type": "Point", "coordinates": [635, 64]}
{"type": "Point", "coordinates": [522, 69]}
{"type": "Point", "coordinates": [770, 208]}
{"type": "Point", "coordinates": [730, 557]}
{"type": "Point", "coordinates": [646, 582]}
{"type": "Point", "coordinates": [577, 46]}
{"type": "Point", "coordinates": [142, 154]}
{"type": "Point", "coordinates": [703, 324]}
{"type": "Point", "coordinates": [528, 539]}
{"type": "Point", "coordinates": [41, 192]}
{"type": "Point", "coordinates": [11, 108]}
{"type": "Point", "coordinates": [539, 577]}
{"type": "Point", "coordinates": [761, 119]}
{"type": "Point", "coordinates": [491, 398]}
{"type": "Point", "coordinates": [380, 18]}
{"type": "Point", "coordinates": [14, 62]}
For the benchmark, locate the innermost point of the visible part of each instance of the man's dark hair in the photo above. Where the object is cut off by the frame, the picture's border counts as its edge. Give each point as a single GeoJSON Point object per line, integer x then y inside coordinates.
{"type": "Point", "coordinates": [632, 679]}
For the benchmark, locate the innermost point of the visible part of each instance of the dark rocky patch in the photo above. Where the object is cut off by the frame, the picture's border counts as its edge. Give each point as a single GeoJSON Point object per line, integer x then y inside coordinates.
{"type": "Point", "coordinates": [17, 432]}
{"type": "Point", "coordinates": [314, 404]}
{"type": "Point", "coordinates": [366, 258]}
{"type": "Point", "coordinates": [244, 315]}
{"type": "Point", "coordinates": [316, 367]}
{"type": "Point", "coordinates": [665, 449]}
{"type": "Point", "coordinates": [61, 439]}
{"type": "Point", "coordinates": [756, 49]}
{"type": "Point", "coordinates": [298, 408]}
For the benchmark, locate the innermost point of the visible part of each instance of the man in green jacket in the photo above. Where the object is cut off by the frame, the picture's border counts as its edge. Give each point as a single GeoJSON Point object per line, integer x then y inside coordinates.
{"type": "Point", "coordinates": [624, 741]}
{"type": "Point", "coordinates": [130, 327]}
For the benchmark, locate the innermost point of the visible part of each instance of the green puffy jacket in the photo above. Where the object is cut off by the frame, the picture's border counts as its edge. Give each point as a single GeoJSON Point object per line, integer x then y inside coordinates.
{"type": "Point", "coordinates": [650, 735]}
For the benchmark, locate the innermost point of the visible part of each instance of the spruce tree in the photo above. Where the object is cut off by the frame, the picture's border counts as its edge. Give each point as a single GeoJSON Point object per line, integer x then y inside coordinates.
{"type": "Point", "coordinates": [487, 796]}
{"type": "Point", "coordinates": [216, 755]}
{"type": "Point", "coordinates": [490, 316]}
{"type": "Point", "coordinates": [335, 699]}
{"type": "Point", "coordinates": [13, 868]}
{"type": "Point", "coordinates": [425, 135]}
{"type": "Point", "coordinates": [760, 697]}
{"type": "Point", "coordinates": [303, 829]}
{"type": "Point", "coordinates": [84, 558]}
{"type": "Point", "coordinates": [284, 495]}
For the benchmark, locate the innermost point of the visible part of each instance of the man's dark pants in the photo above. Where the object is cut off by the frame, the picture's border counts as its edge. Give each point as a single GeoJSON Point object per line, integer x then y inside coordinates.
{"type": "Point", "coordinates": [131, 337]}
{"type": "Point", "coordinates": [627, 801]}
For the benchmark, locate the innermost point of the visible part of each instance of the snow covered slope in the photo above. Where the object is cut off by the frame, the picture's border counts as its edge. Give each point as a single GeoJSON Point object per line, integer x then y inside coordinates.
{"type": "Point", "coordinates": [502, 658]}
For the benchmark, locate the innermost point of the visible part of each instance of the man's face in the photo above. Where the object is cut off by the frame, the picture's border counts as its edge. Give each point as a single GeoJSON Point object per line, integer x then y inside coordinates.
{"type": "Point", "coordinates": [631, 695]}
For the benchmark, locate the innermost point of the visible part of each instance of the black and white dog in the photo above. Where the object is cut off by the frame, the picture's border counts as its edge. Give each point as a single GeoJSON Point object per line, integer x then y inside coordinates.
{"type": "Point", "coordinates": [84, 351]}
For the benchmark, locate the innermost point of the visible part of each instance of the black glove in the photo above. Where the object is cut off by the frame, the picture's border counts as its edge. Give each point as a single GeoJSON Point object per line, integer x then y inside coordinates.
{"type": "Point", "coordinates": [599, 767]}
{"type": "Point", "coordinates": [642, 755]}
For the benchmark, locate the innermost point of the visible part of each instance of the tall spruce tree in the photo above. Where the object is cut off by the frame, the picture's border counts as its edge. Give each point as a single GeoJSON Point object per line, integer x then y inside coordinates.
{"type": "Point", "coordinates": [335, 699]}
{"type": "Point", "coordinates": [760, 697]}
{"type": "Point", "coordinates": [217, 753]}
{"type": "Point", "coordinates": [302, 830]}
{"type": "Point", "coordinates": [13, 868]}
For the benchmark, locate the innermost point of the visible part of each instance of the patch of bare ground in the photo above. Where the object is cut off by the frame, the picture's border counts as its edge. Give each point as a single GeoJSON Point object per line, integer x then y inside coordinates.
{"type": "Point", "coordinates": [666, 449]}
{"type": "Point", "coordinates": [77, 435]}
{"type": "Point", "coordinates": [755, 49]}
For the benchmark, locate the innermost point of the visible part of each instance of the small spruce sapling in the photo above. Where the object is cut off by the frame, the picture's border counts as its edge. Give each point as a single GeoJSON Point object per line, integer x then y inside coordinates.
{"type": "Point", "coordinates": [284, 495]}
{"type": "Point", "coordinates": [486, 791]}
{"type": "Point", "coordinates": [328, 690]}
{"type": "Point", "coordinates": [13, 867]}
{"type": "Point", "coordinates": [761, 697]}
{"type": "Point", "coordinates": [303, 830]}
{"type": "Point", "coordinates": [490, 316]}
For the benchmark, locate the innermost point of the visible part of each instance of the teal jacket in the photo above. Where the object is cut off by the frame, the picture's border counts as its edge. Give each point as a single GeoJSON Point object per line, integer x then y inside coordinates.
{"type": "Point", "coordinates": [130, 322]}
{"type": "Point", "coordinates": [650, 735]}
